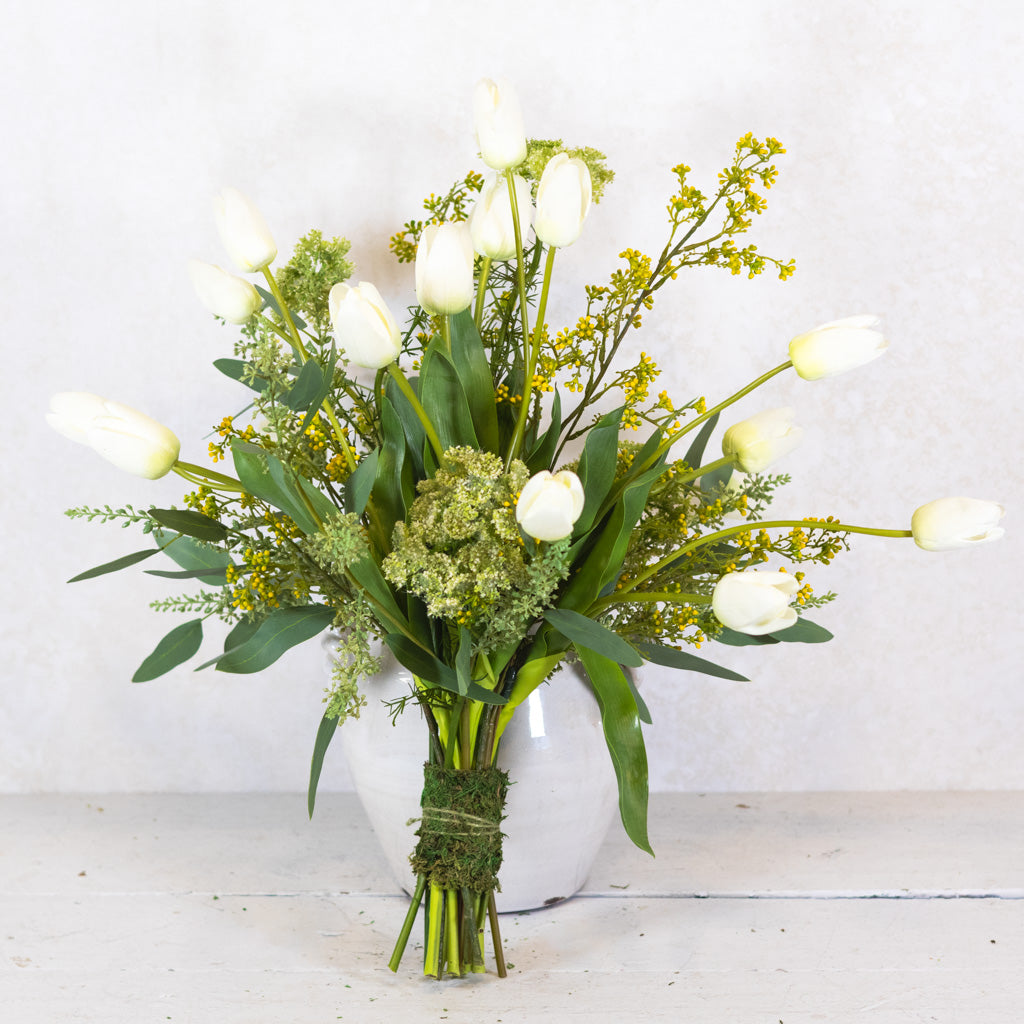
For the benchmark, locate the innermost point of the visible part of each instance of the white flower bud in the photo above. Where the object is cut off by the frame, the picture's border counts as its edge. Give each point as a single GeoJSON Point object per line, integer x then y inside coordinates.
{"type": "Point", "coordinates": [754, 601]}
{"type": "Point", "coordinates": [836, 347]}
{"type": "Point", "coordinates": [550, 504]}
{"type": "Point", "coordinates": [757, 442]}
{"type": "Point", "coordinates": [444, 268]}
{"type": "Point", "coordinates": [950, 523]}
{"type": "Point", "coordinates": [223, 294]}
{"type": "Point", "coordinates": [363, 325]}
{"type": "Point", "coordinates": [499, 124]}
{"type": "Point", "coordinates": [243, 231]}
{"type": "Point", "coordinates": [563, 199]}
{"type": "Point", "coordinates": [491, 224]}
{"type": "Point", "coordinates": [129, 439]}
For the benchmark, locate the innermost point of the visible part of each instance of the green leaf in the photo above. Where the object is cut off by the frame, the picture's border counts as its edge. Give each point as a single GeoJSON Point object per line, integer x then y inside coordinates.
{"type": "Point", "coordinates": [193, 524]}
{"type": "Point", "coordinates": [241, 633]}
{"type": "Point", "coordinates": [710, 482]}
{"type": "Point", "coordinates": [444, 399]}
{"type": "Point", "coordinates": [544, 450]}
{"type": "Point", "coordinates": [597, 467]}
{"type": "Point", "coordinates": [732, 638]}
{"type": "Point", "coordinates": [254, 468]}
{"type": "Point", "coordinates": [217, 578]}
{"type": "Point", "coordinates": [237, 369]}
{"type": "Point", "coordinates": [193, 554]}
{"type": "Point", "coordinates": [309, 383]}
{"type": "Point", "coordinates": [417, 438]}
{"type": "Point", "coordinates": [393, 487]}
{"type": "Point", "coordinates": [624, 736]}
{"type": "Point", "coordinates": [178, 646]}
{"type": "Point", "coordinates": [585, 632]}
{"type": "Point", "coordinates": [366, 572]}
{"type": "Point", "coordinates": [277, 633]}
{"type": "Point", "coordinates": [464, 661]}
{"type": "Point", "coordinates": [471, 364]}
{"type": "Point", "coordinates": [118, 563]}
{"type": "Point", "coordinates": [359, 484]}
{"type": "Point", "coordinates": [425, 666]}
{"type": "Point", "coordinates": [695, 453]}
{"type": "Point", "coordinates": [326, 383]}
{"type": "Point", "coordinates": [324, 735]}
{"type": "Point", "coordinates": [659, 654]}
{"type": "Point", "coordinates": [803, 632]}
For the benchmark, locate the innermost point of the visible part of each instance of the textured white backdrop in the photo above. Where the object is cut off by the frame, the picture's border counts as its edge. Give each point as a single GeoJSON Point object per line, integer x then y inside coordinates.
{"type": "Point", "coordinates": [899, 195]}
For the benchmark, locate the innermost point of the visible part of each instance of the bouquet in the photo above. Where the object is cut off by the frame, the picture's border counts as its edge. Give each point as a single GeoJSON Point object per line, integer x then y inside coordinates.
{"type": "Point", "coordinates": [483, 494]}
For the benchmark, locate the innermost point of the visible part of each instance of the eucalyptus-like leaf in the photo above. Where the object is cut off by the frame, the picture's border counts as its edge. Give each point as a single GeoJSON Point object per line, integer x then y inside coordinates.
{"type": "Point", "coordinates": [176, 647]}
{"type": "Point", "coordinates": [309, 383]}
{"type": "Point", "coordinates": [277, 633]}
{"type": "Point", "coordinates": [193, 554]}
{"type": "Point", "coordinates": [191, 523]}
{"type": "Point", "coordinates": [803, 632]}
{"type": "Point", "coordinates": [659, 654]}
{"type": "Point", "coordinates": [118, 563]}
{"type": "Point", "coordinates": [217, 577]}
{"type": "Point", "coordinates": [237, 369]}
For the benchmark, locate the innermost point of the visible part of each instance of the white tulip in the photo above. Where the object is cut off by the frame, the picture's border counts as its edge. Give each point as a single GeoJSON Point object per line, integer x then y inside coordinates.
{"type": "Point", "coordinates": [550, 504]}
{"type": "Point", "coordinates": [491, 223]}
{"type": "Point", "coordinates": [366, 331]}
{"type": "Point", "coordinates": [499, 124]}
{"type": "Point", "coordinates": [956, 523]}
{"type": "Point", "coordinates": [837, 346]}
{"type": "Point", "coordinates": [755, 601]}
{"type": "Point", "coordinates": [563, 199]}
{"type": "Point", "coordinates": [243, 231]}
{"type": "Point", "coordinates": [223, 294]}
{"type": "Point", "coordinates": [757, 442]}
{"type": "Point", "coordinates": [129, 439]}
{"type": "Point", "coordinates": [444, 268]}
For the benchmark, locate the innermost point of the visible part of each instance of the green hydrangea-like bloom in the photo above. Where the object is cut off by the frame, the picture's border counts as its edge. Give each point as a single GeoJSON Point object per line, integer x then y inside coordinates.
{"type": "Point", "coordinates": [461, 551]}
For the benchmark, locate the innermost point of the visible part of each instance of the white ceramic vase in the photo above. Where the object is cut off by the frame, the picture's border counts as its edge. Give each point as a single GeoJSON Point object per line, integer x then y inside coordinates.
{"type": "Point", "coordinates": [562, 795]}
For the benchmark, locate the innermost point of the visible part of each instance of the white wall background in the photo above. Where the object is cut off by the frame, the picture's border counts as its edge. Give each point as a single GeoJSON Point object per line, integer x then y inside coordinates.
{"type": "Point", "coordinates": [900, 195]}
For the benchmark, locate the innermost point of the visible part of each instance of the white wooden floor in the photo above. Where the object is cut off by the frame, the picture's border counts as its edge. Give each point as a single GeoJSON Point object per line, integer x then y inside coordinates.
{"type": "Point", "coordinates": [763, 908]}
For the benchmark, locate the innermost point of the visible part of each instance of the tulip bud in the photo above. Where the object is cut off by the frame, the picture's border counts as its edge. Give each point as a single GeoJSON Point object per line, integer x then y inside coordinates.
{"type": "Point", "coordinates": [491, 224]}
{"type": "Point", "coordinates": [756, 443]}
{"type": "Point", "coordinates": [754, 601]}
{"type": "Point", "coordinates": [550, 504]}
{"type": "Point", "coordinates": [563, 199]}
{"type": "Point", "coordinates": [499, 124]}
{"type": "Point", "coordinates": [363, 324]}
{"type": "Point", "coordinates": [956, 523]}
{"type": "Point", "coordinates": [243, 231]}
{"type": "Point", "coordinates": [223, 294]}
{"type": "Point", "coordinates": [129, 439]}
{"type": "Point", "coordinates": [444, 268]}
{"type": "Point", "coordinates": [836, 347]}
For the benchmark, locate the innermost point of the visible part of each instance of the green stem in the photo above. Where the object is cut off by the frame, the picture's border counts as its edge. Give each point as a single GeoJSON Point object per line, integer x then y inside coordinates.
{"type": "Point", "coordinates": [517, 439]}
{"type": "Point", "coordinates": [725, 460]}
{"type": "Point", "coordinates": [499, 953]}
{"type": "Point", "coordinates": [732, 531]}
{"type": "Point", "coordinates": [410, 918]}
{"type": "Point", "coordinates": [648, 597]}
{"type": "Point", "coordinates": [283, 307]}
{"type": "Point", "coordinates": [672, 438]}
{"type": "Point", "coordinates": [446, 333]}
{"type": "Point", "coordinates": [435, 922]}
{"type": "Point", "coordinates": [406, 388]}
{"type": "Point", "coordinates": [452, 918]}
{"type": "Point", "coordinates": [481, 292]}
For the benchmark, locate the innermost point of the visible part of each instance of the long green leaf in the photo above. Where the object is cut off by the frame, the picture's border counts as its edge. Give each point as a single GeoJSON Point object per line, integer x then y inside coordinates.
{"type": "Point", "coordinates": [178, 646]}
{"type": "Point", "coordinates": [803, 632]}
{"type": "Point", "coordinates": [430, 669]}
{"type": "Point", "coordinates": [445, 400]}
{"type": "Point", "coordinates": [544, 450]}
{"type": "Point", "coordinates": [659, 654]}
{"type": "Point", "coordinates": [471, 364]}
{"type": "Point", "coordinates": [366, 572]}
{"type": "Point", "coordinates": [360, 482]}
{"type": "Point", "coordinates": [217, 578]}
{"type": "Point", "coordinates": [193, 554]}
{"type": "Point", "coordinates": [624, 736]}
{"type": "Point", "coordinates": [417, 438]}
{"type": "Point", "coordinates": [277, 633]}
{"type": "Point", "coordinates": [392, 486]}
{"type": "Point", "coordinates": [585, 632]}
{"type": "Point", "coordinates": [695, 453]}
{"type": "Point", "coordinates": [118, 563]}
{"type": "Point", "coordinates": [192, 524]}
{"type": "Point", "coordinates": [324, 735]}
{"type": "Point", "coordinates": [597, 467]}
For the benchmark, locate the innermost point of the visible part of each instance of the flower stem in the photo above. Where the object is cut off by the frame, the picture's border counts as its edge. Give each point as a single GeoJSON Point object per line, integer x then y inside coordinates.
{"type": "Point", "coordinates": [207, 477]}
{"type": "Point", "coordinates": [446, 333]}
{"type": "Point", "coordinates": [517, 438]}
{"type": "Point", "coordinates": [481, 292]}
{"type": "Point", "coordinates": [732, 531]}
{"type": "Point", "coordinates": [285, 314]}
{"type": "Point", "coordinates": [406, 388]}
{"type": "Point", "coordinates": [410, 918]}
{"type": "Point", "coordinates": [499, 954]}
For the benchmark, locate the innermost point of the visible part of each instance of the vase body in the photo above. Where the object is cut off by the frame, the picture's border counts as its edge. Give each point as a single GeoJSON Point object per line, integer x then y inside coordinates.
{"type": "Point", "coordinates": [562, 791]}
